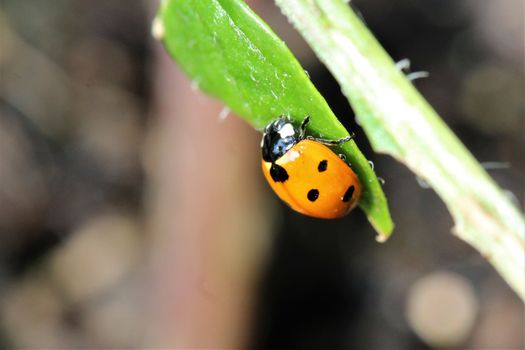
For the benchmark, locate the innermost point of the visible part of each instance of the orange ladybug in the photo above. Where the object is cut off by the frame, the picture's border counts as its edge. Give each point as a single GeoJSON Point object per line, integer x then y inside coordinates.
{"type": "Point", "coordinates": [305, 173]}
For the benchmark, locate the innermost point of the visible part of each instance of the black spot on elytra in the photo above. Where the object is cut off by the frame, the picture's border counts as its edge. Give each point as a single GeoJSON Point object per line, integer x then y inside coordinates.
{"type": "Point", "coordinates": [348, 194]}
{"type": "Point", "coordinates": [322, 166]}
{"type": "Point", "coordinates": [278, 173]}
{"type": "Point", "coordinates": [312, 195]}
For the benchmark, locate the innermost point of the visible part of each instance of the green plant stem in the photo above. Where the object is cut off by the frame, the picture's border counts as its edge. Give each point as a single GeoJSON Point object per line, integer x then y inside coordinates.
{"type": "Point", "coordinates": [399, 122]}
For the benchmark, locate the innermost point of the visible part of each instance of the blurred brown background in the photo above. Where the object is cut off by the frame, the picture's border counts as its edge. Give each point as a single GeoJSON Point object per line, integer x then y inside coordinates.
{"type": "Point", "coordinates": [133, 213]}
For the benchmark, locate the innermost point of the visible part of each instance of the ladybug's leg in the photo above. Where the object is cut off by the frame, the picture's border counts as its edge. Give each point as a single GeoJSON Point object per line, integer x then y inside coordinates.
{"type": "Point", "coordinates": [302, 128]}
{"type": "Point", "coordinates": [332, 142]}
{"type": "Point", "coordinates": [343, 158]}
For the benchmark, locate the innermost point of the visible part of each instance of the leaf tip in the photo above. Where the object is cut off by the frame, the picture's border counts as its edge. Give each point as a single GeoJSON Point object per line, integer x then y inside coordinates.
{"type": "Point", "coordinates": [383, 228]}
{"type": "Point", "coordinates": [382, 238]}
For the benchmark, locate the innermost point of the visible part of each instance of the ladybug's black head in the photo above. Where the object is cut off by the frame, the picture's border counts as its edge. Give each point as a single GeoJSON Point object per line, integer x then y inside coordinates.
{"type": "Point", "coordinates": [279, 136]}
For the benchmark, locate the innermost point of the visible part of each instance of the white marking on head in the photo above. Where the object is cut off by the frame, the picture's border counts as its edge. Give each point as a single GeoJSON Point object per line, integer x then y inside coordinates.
{"type": "Point", "coordinates": [287, 130]}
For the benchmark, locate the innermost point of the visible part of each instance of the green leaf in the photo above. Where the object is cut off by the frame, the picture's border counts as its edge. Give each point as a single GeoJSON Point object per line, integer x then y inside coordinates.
{"type": "Point", "coordinates": [231, 54]}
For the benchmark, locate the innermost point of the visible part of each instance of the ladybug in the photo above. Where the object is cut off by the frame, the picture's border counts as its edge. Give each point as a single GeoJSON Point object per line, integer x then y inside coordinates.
{"type": "Point", "coordinates": [305, 173]}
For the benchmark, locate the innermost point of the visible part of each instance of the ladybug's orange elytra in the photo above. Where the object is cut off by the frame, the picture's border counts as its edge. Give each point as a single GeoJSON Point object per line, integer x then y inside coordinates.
{"type": "Point", "coordinates": [306, 174]}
